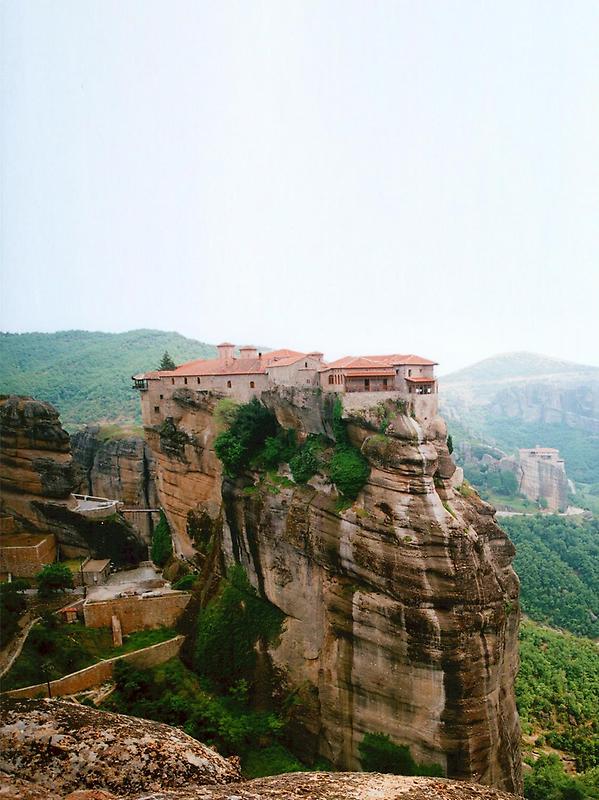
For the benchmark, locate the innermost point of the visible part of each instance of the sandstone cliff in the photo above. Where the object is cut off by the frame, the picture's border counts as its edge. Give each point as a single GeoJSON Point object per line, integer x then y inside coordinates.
{"type": "Point", "coordinates": [37, 476]}
{"type": "Point", "coordinates": [52, 748]}
{"type": "Point", "coordinates": [120, 468]}
{"type": "Point", "coordinates": [401, 611]}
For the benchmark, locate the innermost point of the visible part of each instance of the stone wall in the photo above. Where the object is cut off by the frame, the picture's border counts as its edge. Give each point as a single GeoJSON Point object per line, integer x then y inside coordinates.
{"type": "Point", "coordinates": [24, 555]}
{"type": "Point", "coordinates": [137, 613]}
{"type": "Point", "coordinates": [103, 670]}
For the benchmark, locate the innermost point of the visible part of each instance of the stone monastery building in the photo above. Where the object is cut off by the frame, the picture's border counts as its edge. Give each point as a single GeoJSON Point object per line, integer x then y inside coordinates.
{"type": "Point", "coordinates": [362, 380]}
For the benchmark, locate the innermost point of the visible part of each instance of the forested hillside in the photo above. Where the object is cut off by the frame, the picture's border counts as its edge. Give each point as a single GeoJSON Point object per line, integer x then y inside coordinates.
{"type": "Point", "coordinates": [557, 560]}
{"type": "Point", "coordinates": [85, 374]}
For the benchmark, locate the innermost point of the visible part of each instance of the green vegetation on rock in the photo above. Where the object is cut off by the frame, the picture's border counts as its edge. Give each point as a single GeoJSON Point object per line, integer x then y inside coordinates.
{"type": "Point", "coordinates": [557, 560]}
{"type": "Point", "coordinates": [87, 375]}
{"type": "Point", "coordinates": [348, 468]}
{"type": "Point", "coordinates": [250, 425]}
{"type": "Point", "coordinates": [230, 628]}
{"type": "Point", "coordinates": [379, 754]}
{"type": "Point", "coordinates": [162, 542]}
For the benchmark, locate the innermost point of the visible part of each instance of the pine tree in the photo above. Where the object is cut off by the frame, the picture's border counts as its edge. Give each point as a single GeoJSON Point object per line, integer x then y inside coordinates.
{"type": "Point", "coordinates": [167, 362]}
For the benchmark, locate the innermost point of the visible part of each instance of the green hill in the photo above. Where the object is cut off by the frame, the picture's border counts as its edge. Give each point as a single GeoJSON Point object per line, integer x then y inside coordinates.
{"type": "Point", "coordinates": [557, 561]}
{"type": "Point", "coordinates": [519, 365]}
{"type": "Point", "coordinates": [87, 374]}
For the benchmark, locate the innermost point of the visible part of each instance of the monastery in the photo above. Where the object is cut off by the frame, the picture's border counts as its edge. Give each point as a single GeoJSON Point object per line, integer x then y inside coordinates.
{"type": "Point", "coordinates": [362, 380]}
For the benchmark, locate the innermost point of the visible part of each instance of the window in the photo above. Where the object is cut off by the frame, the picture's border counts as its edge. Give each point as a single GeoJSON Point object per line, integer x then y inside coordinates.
{"type": "Point", "coordinates": [331, 379]}
{"type": "Point", "coordinates": [409, 373]}
{"type": "Point", "coordinates": [173, 381]}
{"type": "Point", "coordinates": [228, 384]}
{"type": "Point", "coordinates": [305, 364]}
{"type": "Point", "coordinates": [185, 381]}
{"type": "Point", "coordinates": [199, 381]}
{"type": "Point", "coordinates": [162, 397]}
{"type": "Point", "coordinates": [156, 409]}
{"type": "Point", "coordinates": [385, 383]}
{"type": "Point", "coordinates": [366, 384]}
{"type": "Point", "coordinates": [252, 385]}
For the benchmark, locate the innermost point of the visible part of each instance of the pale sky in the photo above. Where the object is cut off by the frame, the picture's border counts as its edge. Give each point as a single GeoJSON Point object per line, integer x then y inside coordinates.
{"type": "Point", "coordinates": [353, 177]}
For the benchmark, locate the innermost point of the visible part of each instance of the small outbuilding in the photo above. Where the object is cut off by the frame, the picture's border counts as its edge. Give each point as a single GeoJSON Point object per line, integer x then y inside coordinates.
{"type": "Point", "coordinates": [95, 571]}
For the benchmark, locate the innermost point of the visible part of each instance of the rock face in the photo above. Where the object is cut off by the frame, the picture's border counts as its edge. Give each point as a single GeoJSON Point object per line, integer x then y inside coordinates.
{"type": "Point", "coordinates": [35, 457]}
{"type": "Point", "coordinates": [37, 476]}
{"type": "Point", "coordinates": [66, 746]}
{"type": "Point", "coordinates": [402, 611]}
{"type": "Point", "coordinates": [118, 468]}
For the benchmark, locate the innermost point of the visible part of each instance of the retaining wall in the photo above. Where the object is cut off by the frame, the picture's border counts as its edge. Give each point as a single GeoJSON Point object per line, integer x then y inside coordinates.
{"type": "Point", "coordinates": [103, 670]}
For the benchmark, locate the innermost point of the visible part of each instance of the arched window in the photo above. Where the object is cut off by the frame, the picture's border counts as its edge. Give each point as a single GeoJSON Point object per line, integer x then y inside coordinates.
{"type": "Point", "coordinates": [173, 381]}
{"type": "Point", "coordinates": [185, 381]}
{"type": "Point", "coordinates": [305, 364]}
{"type": "Point", "coordinates": [252, 385]}
{"type": "Point", "coordinates": [228, 384]}
{"type": "Point", "coordinates": [199, 380]}
{"type": "Point", "coordinates": [331, 378]}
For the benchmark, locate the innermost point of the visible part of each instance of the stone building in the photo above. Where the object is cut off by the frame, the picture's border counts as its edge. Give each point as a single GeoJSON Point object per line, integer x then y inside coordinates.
{"type": "Point", "coordinates": [23, 555]}
{"type": "Point", "coordinates": [363, 380]}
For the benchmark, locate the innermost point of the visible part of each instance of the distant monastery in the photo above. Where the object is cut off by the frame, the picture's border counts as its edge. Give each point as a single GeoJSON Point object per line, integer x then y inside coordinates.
{"type": "Point", "coordinates": [363, 380]}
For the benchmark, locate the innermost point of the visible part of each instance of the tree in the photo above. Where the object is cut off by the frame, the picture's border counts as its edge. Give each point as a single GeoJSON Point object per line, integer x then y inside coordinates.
{"type": "Point", "coordinates": [167, 362]}
{"type": "Point", "coordinates": [450, 444]}
{"type": "Point", "coordinates": [53, 578]}
{"type": "Point", "coordinates": [162, 543]}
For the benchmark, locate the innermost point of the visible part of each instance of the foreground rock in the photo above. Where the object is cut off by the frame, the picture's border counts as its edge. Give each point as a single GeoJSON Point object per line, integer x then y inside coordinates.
{"type": "Point", "coordinates": [297, 786]}
{"type": "Point", "coordinates": [66, 746]}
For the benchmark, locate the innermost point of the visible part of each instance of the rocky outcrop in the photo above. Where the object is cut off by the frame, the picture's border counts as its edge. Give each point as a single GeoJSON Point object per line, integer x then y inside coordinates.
{"type": "Point", "coordinates": [401, 611]}
{"type": "Point", "coordinates": [66, 746]}
{"type": "Point", "coordinates": [35, 457]}
{"type": "Point", "coordinates": [37, 476]}
{"type": "Point", "coordinates": [120, 467]}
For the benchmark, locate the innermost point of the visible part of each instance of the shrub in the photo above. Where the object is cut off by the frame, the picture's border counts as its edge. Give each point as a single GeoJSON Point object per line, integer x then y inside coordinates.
{"type": "Point", "coordinates": [251, 426]}
{"type": "Point", "coordinates": [349, 471]}
{"type": "Point", "coordinates": [348, 468]}
{"type": "Point", "coordinates": [53, 578]}
{"type": "Point", "coordinates": [186, 582]}
{"type": "Point", "coordinates": [277, 450]}
{"type": "Point", "coordinates": [379, 754]}
{"type": "Point", "coordinates": [305, 463]}
{"type": "Point", "coordinates": [162, 543]}
{"type": "Point", "coordinates": [12, 605]}
{"type": "Point", "coordinates": [229, 628]}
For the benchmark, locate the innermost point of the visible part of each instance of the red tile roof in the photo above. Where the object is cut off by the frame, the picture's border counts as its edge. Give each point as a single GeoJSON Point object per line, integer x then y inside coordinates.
{"type": "Point", "coordinates": [366, 362]}
{"type": "Point", "coordinates": [430, 379]}
{"type": "Point", "coordinates": [236, 366]}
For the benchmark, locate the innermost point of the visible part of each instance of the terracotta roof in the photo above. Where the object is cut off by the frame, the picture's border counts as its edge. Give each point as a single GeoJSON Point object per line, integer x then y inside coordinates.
{"type": "Point", "coordinates": [419, 379]}
{"type": "Point", "coordinates": [236, 366]}
{"type": "Point", "coordinates": [364, 362]}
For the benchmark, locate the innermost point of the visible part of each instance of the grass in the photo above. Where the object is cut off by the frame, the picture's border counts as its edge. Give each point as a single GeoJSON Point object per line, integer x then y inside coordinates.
{"type": "Point", "coordinates": [113, 432]}
{"type": "Point", "coordinates": [68, 648]}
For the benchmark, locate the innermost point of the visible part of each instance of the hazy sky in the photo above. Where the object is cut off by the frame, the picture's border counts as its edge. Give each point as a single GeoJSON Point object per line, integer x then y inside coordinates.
{"type": "Point", "coordinates": [356, 177]}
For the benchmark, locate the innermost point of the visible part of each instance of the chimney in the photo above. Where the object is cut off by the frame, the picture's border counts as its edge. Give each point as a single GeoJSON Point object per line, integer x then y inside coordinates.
{"type": "Point", "coordinates": [315, 354]}
{"type": "Point", "coordinates": [248, 351]}
{"type": "Point", "coordinates": [225, 352]}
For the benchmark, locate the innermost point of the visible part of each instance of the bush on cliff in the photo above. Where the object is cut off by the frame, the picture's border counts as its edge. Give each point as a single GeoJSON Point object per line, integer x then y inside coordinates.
{"type": "Point", "coordinates": [162, 543]}
{"type": "Point", "coordinates": [379, 754]}
{"type": "Point", "coordinates": [12, 605]}
{"type": "Point", "coordinates": [306, 463]}
{"type": "Point", "coordinates": [229, 629]}
{"type": "Point", "coordinates": [252, 424]}
{"type": "Point", "coordinates": [348, 469]}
